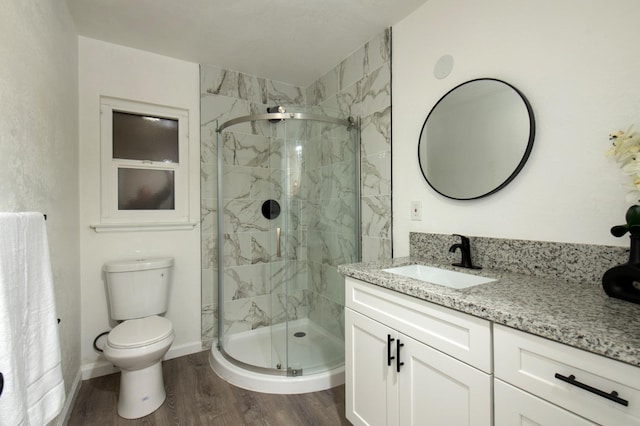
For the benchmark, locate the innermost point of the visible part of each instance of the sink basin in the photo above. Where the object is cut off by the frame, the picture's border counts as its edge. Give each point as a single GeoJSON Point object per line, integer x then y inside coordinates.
{"type": "Point", "coordinates": [439, 276]}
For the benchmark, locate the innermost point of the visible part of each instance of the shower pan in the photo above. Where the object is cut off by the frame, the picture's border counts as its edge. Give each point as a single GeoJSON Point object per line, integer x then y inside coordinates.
{"type": "Point", "coordinates": [288, 215]}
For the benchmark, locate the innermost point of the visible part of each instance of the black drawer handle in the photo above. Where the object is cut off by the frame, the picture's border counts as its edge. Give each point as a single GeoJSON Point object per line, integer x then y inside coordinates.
{"type": "Point", "coordinates": [613, 396]}
{"type": "Point", "coordinates": [398, 363]}
{"type": "Point", "coordinates": [1, 383]}
{"type": "Point", "coordinates": [389, 357]}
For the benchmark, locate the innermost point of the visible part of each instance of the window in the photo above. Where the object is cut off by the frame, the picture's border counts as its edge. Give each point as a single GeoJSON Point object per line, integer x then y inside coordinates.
{"type": "Point", "coordinates": [144, 151]}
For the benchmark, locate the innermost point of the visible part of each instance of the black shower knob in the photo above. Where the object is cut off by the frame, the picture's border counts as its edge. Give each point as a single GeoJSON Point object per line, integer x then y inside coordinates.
{"type": "Point", "coordinates": [271, 209]}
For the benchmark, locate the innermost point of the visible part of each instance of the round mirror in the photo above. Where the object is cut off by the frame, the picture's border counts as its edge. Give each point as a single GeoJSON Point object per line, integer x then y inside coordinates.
{"type": "Point", "coordinates": [476, 139]}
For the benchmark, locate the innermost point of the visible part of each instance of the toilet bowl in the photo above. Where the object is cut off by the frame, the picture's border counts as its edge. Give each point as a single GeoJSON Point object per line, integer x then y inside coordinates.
{"type": "Point", "coordinates": [137, 346]}
{"type": "Point", "coordinates": [138, 292]}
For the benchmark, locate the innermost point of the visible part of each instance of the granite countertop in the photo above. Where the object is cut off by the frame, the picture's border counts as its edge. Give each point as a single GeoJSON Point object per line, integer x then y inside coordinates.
{"type": "Point", "coordinates": [573, 313]}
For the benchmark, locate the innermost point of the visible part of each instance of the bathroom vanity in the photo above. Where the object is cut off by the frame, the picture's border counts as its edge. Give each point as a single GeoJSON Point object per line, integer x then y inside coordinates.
{"type": "Point", "coordinates": [518, 350]}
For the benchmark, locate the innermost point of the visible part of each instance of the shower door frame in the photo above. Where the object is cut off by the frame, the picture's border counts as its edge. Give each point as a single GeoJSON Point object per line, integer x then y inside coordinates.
{"type": "Point", "coordinates": [349, 123]}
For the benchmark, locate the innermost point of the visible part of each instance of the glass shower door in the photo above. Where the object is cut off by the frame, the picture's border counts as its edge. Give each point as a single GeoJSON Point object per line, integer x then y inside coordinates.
{"type": "Point", "coordinates": [278, 263]}
{"type": "Point", "coordinates": [287, 204]}
{"type": "Point", "coordinates": [319, 232]}
{"type": "Point", "coordinates": [288, 268]}
{"type": "Point", "coordinates": [248, 194]}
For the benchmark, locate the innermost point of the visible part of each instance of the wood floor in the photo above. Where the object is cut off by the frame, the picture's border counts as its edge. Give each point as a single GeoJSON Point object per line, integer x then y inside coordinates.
{"type": "Point", "coordinates": [197, 396]}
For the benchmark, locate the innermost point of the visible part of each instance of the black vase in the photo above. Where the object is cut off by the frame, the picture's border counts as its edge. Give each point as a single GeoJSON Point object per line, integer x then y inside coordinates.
{"type": "Point", "coordinates": [623, 281]}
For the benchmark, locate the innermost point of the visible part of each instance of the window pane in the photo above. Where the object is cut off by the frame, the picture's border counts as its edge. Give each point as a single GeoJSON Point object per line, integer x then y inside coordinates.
{"type": "Point", "coordinates": [144, 189]}
{"type": "Point", "coordinates": [140, 137]}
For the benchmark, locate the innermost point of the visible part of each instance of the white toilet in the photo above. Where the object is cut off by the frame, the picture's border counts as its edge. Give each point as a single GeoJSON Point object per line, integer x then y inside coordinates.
{"type": "Point", "coordinates": [138, 293]}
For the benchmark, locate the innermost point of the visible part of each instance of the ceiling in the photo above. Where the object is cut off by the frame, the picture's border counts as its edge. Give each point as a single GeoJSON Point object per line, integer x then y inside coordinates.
{"type": "Point", "coordinates": [293, 41]}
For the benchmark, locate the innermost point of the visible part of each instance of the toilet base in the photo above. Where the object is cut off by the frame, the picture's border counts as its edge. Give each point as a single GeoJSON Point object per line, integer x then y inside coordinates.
{"type": "Point", "coordinates": [141, 391]}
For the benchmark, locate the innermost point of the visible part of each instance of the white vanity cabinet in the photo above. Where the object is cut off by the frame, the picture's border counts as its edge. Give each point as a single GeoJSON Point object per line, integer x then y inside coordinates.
{"type": "Point", "coordinates": [410, 362]}
{"type": "Point", "coordinates": [559, 384]}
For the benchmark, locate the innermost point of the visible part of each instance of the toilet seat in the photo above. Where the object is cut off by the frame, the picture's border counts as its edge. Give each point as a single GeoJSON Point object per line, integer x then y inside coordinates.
{"type": "Point", "coordinates": [140, 332]}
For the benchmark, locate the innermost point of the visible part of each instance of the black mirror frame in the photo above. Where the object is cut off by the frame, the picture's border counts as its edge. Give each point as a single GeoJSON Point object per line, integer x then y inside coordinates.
{"type": "Point", "coordinates": [525, 157]}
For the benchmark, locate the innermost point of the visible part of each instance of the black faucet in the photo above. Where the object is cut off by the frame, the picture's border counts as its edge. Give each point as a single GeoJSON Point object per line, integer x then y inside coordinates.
{"type": "Point", "coordinates": [465, 250]}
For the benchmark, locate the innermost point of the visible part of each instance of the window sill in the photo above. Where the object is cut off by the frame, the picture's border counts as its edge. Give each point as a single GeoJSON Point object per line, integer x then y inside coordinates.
{"type": "Point", "coordinates": [142, 227]}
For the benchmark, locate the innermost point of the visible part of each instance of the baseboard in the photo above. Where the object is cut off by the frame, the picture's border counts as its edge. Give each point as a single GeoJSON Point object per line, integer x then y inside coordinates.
{"type": "Point", "coordinates": [63, 417]}
{"type": "Point", "coordinates": [184, 349]}
{"type": "Point", "coordinates": [98, 368]}
{"type": "Point", "coordinates": [102, 367]}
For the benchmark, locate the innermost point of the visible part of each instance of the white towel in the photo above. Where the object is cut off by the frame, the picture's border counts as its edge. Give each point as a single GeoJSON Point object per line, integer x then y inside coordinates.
{"type": "Point", "coordinates": [33, 391]}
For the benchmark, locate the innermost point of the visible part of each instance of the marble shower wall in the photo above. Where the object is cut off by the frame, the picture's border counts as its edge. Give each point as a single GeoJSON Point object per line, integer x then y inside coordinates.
{"type": "Point", "coordinates": [251, 176]}
{"type": "Point", "coordinates": [360, 86]}
{"type": "Point", "coordinates": [332, 220]}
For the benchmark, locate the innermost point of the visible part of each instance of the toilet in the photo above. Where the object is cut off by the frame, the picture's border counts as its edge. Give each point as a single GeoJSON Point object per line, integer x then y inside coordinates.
{"type": "Point", "coordinates": [138, 293]}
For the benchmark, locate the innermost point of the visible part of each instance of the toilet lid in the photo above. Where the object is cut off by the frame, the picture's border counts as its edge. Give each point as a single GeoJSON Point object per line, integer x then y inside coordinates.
{"type": "Point", "coordinates": [140, 332]}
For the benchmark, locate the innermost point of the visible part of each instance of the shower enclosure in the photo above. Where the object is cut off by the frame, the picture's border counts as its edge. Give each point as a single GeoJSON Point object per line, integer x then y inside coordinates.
{"type": "Point", "coordinates": [288, 214]}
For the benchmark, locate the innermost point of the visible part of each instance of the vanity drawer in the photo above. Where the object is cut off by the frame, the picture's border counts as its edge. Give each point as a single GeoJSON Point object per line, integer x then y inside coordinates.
{"type": "Point", "coordinates": [513, 407]}
{"type": "Point", "coordinates": [538, 366]}
{"type": "Point", "coordinates": [462, 336]}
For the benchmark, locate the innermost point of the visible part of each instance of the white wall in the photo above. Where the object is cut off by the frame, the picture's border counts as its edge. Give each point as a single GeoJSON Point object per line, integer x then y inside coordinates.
{"type": "Point", "coordinates": [116, 71]}
{"type": "Point", "coordinates": [576, 61]}
{"type": "Point", "coordinates": [39, 145]}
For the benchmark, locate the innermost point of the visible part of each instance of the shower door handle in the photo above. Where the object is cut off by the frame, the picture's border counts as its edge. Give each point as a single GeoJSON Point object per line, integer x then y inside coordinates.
{"type": "Point", "coordinates": [277, 242]}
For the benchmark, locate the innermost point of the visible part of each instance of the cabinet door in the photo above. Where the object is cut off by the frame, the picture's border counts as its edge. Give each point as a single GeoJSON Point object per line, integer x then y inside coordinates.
{"type": "Point", "coordinates": [514, 407]}
{"type": "Point", "coordinates": [436, 389]}
{"type": "Point", "coordinates": [370, 384]}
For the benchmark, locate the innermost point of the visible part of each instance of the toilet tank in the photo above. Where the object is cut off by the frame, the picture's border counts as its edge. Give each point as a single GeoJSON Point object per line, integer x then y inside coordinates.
{"type": "Point", "coordinates": [138, 287]}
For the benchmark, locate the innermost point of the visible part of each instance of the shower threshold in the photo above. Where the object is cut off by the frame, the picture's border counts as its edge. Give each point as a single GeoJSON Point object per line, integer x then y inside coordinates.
{"type": "Point", "coordinates": [317, 358]}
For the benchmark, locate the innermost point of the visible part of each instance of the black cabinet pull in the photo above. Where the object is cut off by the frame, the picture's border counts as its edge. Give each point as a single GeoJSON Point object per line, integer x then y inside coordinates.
{"type": "Point", "coordinates": [613, 396]}
{"type": "Point", "coordinates": [389, 357]}
{"type": "Point", "coordinates": [398, 363]}
{"type": "Point", "coordinates": [1, 383]}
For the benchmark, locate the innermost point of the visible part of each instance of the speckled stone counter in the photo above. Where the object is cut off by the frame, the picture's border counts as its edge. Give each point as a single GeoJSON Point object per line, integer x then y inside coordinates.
{"type": "Point", "coordinates": [568, 312]}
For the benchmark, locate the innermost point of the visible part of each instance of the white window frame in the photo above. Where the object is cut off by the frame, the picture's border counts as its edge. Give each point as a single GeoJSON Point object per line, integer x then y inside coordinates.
{"type": "Point", "coordinates": [110, 215]}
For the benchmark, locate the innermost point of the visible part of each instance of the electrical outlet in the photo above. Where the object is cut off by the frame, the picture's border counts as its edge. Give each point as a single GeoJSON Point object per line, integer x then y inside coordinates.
{"type": "Point", "coordinates": [416, 210]}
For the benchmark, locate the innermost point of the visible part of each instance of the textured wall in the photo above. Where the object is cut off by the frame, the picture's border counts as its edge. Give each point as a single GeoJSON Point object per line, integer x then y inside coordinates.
{"type": "Point", "coordinates": [39, 143]}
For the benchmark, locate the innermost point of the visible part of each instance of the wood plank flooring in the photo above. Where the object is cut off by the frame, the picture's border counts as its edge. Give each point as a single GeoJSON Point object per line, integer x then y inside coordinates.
{"type": "Point", "coordinates": [197, 396]}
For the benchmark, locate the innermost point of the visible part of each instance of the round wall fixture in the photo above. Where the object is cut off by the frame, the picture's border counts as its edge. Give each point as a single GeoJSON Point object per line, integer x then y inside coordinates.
{"type": "Point", "coordinates": [443, 67]}
{"type": "Point", "coordinates": [476, 139]}
{"type": "Point", "coordinates": [271, 209]}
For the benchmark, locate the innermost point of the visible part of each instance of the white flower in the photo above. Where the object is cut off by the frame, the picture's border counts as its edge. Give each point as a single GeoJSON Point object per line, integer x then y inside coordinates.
{"type": "Point", "coordinates": [626, 151]}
